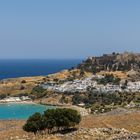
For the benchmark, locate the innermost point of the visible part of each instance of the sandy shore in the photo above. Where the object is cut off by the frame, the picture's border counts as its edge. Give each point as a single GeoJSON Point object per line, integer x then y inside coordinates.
{"type": "Point", "coordinates": [22, 102]}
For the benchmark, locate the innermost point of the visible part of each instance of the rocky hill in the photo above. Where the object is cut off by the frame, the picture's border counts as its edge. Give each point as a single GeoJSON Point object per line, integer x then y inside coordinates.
{"type": "Point", "coordinates": [112, 62]}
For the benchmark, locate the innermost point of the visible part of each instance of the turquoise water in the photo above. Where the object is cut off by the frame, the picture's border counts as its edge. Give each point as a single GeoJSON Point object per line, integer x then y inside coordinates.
{"type": "Point", "coordinates": [20, 111]}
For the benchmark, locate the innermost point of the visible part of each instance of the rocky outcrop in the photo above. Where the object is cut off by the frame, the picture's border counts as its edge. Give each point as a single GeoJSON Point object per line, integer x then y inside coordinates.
{"type": "Point", "coordinates": [85, 134]}
{"type": "Point", "coordinates": [100, 134]}
{"type": "Point", "coordinates": [112, 62]}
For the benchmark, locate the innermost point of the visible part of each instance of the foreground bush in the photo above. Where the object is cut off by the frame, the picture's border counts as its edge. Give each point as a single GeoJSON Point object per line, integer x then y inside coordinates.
{"type": "Point", "coordinates": [52, 119]}
{"type": "Point", "coordinates": [34, 123]}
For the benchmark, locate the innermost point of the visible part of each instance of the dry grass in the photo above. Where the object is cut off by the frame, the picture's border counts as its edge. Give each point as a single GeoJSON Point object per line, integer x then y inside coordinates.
{"type": "Point", "coordinates": [13, 86]}
{"type": "Point", "coordinates": [120, 74]}
{"type": "Point", "coordinates": [66, 73]}
{"type": "Point", "coordinates": [129, 121]}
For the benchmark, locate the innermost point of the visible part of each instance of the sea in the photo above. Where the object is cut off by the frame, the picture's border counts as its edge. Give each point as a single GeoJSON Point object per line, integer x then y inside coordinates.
{"type": "Point", "coordinates": [12, 111]}
{"type": "Point", "coordinates": [21, 68]}
{"type": "Point", "coordinates": [36, 67]}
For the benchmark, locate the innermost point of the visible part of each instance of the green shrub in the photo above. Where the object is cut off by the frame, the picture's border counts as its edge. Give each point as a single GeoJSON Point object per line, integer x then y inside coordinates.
{"type": "Point", "coordinates": [52, 118]}
{"type": "Point", "coordinates": [2, 96]}
{"type": "Point", "coordinates": [109, 78]}
{"type": "Point", "coordinates": [63, 118]}
{"type": "Point", "coordinates": [38, 92]}
{"type": "Point", "coordinates": [34, 123]}
{"type": "Point", "coordinates": [99, 108]}
{"type": "Point", "coordinates": [23, 81]}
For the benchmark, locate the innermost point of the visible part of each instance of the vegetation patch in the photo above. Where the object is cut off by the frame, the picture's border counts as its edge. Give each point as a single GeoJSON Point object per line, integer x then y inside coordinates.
{"type": "Point", "coordinates": [104, 102]}
{"type": "Point", "coordinates": [53, 119]}
{"type": "Point", "coordinates": [109, 79]}
{"type": "Point", "coordinates": [38, 92]}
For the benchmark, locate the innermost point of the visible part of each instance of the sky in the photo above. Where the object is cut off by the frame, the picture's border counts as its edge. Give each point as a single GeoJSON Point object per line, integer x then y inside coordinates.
{"type": "Point", "coordinates": [68, 29]}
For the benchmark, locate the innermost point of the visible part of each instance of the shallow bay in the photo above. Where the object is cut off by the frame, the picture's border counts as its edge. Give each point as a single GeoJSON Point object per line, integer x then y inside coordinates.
{"type": "Point", "coordinates": [20, 111]}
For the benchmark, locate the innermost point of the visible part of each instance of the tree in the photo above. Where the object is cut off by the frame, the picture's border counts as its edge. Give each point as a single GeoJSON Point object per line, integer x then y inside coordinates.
{"type": "Point", "coordinates": [23, 81]}
{"type": "Point", "coordinates": [2, 96]}
{"type": "Point", "coordinates": [82, 72]}
{"type": "Point", "coordinates": [34, 123]}
{"type": "Point", "coordinates": [52, 118]}
{"type": "Point", "coordinates": [62, 118]}
{"type": "Point", "coordinates": [109, 78]}
{"type": "Point", "coordinates": [38, 92]}
{"type": "Point", "coordinates": [50, 124]}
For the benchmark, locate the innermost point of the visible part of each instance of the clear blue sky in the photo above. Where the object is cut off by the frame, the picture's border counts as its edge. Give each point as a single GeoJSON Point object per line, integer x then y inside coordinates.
{"type": "Point", "coordinates": [68, 28]}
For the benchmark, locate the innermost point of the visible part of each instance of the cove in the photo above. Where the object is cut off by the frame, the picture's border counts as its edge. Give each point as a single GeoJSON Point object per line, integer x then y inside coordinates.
{"type": "Point", "coordinates": [13, 111]}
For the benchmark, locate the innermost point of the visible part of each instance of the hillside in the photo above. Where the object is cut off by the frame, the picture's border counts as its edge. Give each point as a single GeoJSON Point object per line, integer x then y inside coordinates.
{"type": "Point", "coordinates": [110, 73]}
{"type": "Point", "coordinates": [112, 62]}
{"type": "Point", "coordinates": [124, 66]}
{"type": "Point", "coordinates": [105, 90]}
{"type": "Point", "coordinates": [22, 85]}
{"type": "Point", "coordinates": [101, 127]}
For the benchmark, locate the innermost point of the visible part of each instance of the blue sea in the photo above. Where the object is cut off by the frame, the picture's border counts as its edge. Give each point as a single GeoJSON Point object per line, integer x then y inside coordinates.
{"type": "Point", "coordinates": [21, 68]}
